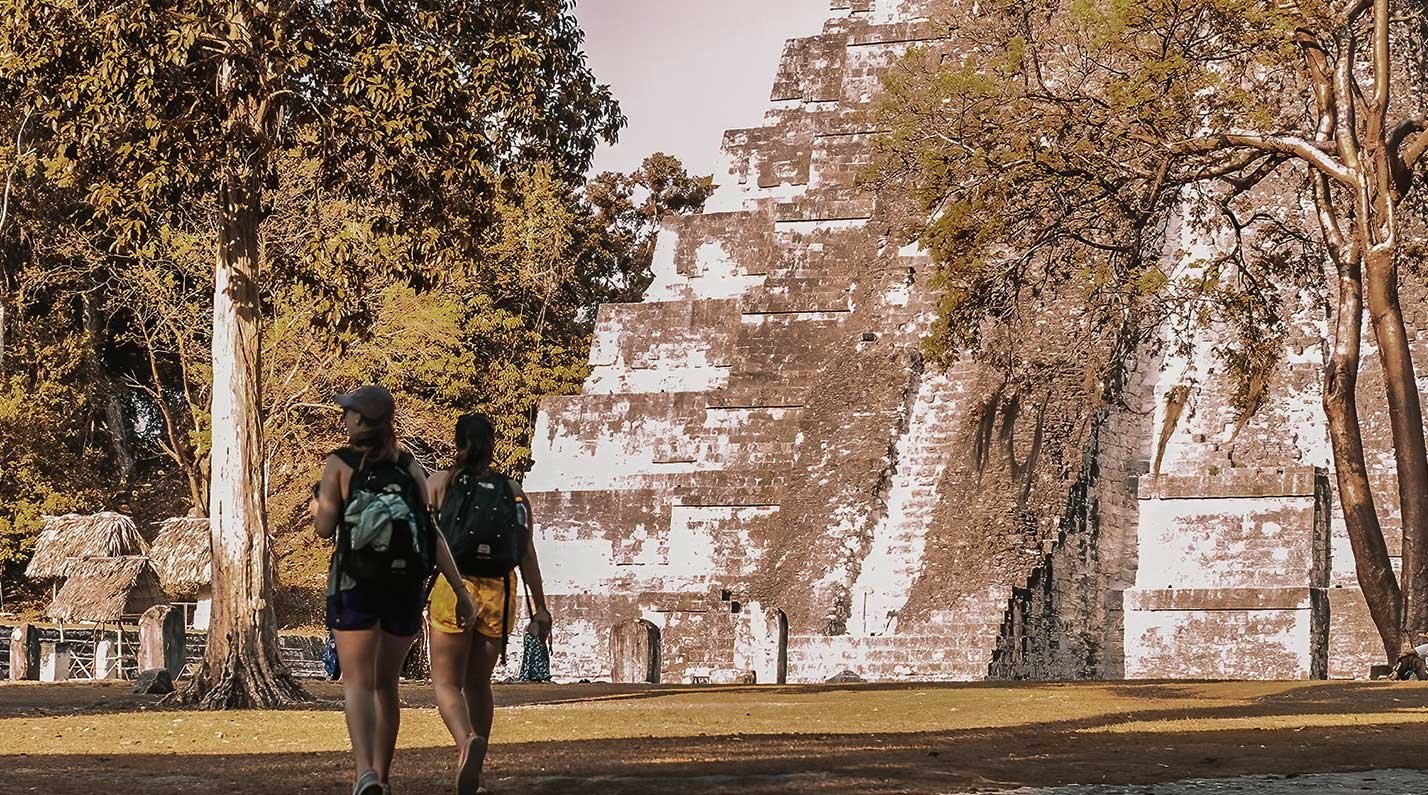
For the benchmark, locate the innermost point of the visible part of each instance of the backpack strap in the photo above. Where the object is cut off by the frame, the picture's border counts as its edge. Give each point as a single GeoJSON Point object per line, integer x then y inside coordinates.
{"type": "Point", "coordinates": [353, 459]}
{"type": "Point", "coordinates": [358, 463]}
{"type": "Point", "coordinates": [505, 617]}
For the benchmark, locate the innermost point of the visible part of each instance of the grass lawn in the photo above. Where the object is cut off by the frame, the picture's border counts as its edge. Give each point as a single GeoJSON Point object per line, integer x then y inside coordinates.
{"type": "Point", "coordinates": [855, 738]}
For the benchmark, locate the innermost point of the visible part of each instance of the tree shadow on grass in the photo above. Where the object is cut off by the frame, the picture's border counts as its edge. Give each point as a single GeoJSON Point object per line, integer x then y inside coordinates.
{"type": "Point", "coordinates": [1283, 698]}
{"type": "Point", "coordinates": [758, 764]}
{"type": "Point", "coordinates": [1028, 754]}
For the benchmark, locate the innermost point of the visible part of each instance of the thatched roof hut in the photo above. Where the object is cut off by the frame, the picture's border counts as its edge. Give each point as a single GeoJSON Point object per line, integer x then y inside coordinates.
{"type": "Point", "coordinates": [78, 536]}
{"type": "Point", "coordinates": [107, 590]}
{"type": "Point", "coordinates": [182, 554]}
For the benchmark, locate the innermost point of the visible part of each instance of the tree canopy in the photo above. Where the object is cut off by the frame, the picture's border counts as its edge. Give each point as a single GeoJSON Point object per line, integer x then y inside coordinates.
{"type": "Point", "coordinates": [152, 136]}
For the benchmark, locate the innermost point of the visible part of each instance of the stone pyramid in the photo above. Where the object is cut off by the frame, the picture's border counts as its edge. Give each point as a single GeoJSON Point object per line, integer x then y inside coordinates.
{"type": "Point", "coordinates": [762, 480]}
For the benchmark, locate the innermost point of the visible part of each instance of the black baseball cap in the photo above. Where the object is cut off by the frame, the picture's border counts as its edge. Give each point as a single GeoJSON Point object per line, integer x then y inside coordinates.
{"type": "Point", "coordinates": [373, 402]}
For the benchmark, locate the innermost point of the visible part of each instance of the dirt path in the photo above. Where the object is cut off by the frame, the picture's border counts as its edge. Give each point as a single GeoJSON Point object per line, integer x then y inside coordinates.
{"type": "Point", "coordinates": [557, 739]}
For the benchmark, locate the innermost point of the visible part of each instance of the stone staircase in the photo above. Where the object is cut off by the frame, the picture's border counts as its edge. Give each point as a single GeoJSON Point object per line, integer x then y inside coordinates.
{"type": "Point", "coordinates": [894, 558]}
{"type": "Point", "coordinates": [759, 452]}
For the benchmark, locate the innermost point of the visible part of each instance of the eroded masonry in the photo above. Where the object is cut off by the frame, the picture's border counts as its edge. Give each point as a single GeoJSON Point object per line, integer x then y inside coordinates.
{"type": "Point", "coordinates": [762, 481]}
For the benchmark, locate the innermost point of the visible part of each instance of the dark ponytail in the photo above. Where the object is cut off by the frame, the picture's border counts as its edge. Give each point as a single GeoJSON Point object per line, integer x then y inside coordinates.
{"type": "Point", "coordinates": [475, 442]}
{"type": "Point", "coordinates": [376, 441]}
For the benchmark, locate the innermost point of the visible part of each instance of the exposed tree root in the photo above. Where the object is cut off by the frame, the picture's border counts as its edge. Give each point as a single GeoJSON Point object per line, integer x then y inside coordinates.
{"type": "Point", "coordinates": [246, 681]}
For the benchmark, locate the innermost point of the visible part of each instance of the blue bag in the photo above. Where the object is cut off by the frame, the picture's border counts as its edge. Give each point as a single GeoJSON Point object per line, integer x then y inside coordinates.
{"type": "Point", "coordinates": [329, 658]}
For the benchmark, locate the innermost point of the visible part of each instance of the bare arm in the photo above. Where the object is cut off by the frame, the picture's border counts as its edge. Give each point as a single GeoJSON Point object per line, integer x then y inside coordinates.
{"type": "Point", "coordinates": [445, 562]}
{"type": "Point", "coordinates": [530, 570]}
{"type": "Point", "coordinates": [436, 490]}
{"type": "Point", "coordinates": [329, 498]}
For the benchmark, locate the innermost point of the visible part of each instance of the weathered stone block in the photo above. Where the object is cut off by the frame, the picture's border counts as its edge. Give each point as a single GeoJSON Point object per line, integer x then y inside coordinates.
{"type": "Point", "coordinates": [107, 662]}
{"type": "Point", "coordinates": [1218, 644]}
{"type": "Point", "coordinates": [54, 661]}
{"type": "Point", "coordinates": [153, 682]}
{"type": "Point", "coordinates": [161, 639]}
{"type": "Point", "coordinates": [24, 653]}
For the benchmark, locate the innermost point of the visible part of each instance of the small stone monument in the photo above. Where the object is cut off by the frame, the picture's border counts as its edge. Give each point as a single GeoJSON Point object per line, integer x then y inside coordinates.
{"type": "Point", "coordinates": [108, 664]}
{"type": "Point", "coordinates": [161, 639]}
{"type": "Point", "coordinates": [54, 662]}
{"type": "Point", "coordinates": [24, 653]}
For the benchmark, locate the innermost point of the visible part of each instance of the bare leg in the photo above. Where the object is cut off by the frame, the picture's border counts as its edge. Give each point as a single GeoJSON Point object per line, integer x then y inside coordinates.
{"type": "Point", "coordinates": [357, 652]}
{"type": "Point", "coordinates": [449, 653]}
{"type": "Point", "coordinates": [392, 652]}
{"type": "Point", "coordinates": [485, 654]}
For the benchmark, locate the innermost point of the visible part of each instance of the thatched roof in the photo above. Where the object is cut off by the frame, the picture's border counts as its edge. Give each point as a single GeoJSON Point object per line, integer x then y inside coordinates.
{"type": "Point", "coordinates": [76, 536]}
{"type": "Point", "coordinates": [183, 554]}
{"type": "Point", "coordinates": [106, 590]}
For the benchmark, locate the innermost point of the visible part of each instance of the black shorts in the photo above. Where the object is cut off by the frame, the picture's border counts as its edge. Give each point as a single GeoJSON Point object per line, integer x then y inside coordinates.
{"type": "Point", "coordinates": [396, 612]}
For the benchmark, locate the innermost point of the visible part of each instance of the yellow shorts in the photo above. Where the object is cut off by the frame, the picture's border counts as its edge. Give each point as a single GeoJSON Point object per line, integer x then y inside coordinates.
{"type": "Point", "coordinates": [487, 593]}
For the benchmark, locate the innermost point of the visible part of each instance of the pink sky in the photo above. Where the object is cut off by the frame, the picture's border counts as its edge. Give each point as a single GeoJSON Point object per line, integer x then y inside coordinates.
{"type": "Point", "coordinates": [685, 70]}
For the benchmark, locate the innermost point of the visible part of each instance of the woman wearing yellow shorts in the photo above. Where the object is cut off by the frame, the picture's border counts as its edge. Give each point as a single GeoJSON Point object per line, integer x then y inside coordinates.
{"type": "Point", "coordinates": [486, 519]}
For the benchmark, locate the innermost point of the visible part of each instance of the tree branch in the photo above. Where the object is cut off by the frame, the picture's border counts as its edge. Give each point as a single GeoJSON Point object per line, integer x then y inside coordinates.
{"type": "Point", "coordinates": [1404, 152]}
{"type": "Point", "coordinates": [10, 177]}
{"type": "Point", "coordinates": [1411, 154]}
{"type": "Point", "coordinates": [1346, 89]}
{"type": "Point", "coordinates": [1329, 222]}
{"type": "Point", "coordinates": [1287, 145]}
{"type": "Point", "coordinates": [1353, 9]}
{"type": "Point", "coordinates": [1382, 69]}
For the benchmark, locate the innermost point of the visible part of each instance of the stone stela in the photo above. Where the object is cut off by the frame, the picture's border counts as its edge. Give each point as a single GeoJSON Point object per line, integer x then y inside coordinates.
{"type": "Point", "coordinates": [763, 481]}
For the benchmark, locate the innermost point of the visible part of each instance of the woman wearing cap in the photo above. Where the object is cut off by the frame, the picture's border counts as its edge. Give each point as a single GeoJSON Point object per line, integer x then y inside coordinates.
{"type": "Point", "coordinates": [464, 657]}
{"type": "Point", "coordinates": [374, 627]}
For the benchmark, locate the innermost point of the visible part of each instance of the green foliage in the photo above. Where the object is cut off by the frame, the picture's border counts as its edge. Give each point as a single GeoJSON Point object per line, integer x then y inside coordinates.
{"type": "Point", "coordinates": [621, 219]}
{"type": "Point", "coordinates": [1041, 150]}
{"type": "Point", "coordinates": [495, 343]}
{"type": "Point", "coordinates": [49, 457]}
{"type": "Point", "coordinates": [412, 113]}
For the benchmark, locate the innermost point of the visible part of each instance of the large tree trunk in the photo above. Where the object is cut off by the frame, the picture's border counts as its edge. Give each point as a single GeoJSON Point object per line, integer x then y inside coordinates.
{"type": "Point", "coordinates": [1341, 373]}
{"type": "Point", "coordinates": [1405, 416]}
{"type": "Point", "coordinates": [241, 667]}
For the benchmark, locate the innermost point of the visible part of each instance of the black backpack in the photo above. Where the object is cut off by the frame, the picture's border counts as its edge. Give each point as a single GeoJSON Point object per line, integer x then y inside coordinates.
{"type": "Point", "coordinates": [410, 558]}
{"type": "Point", "coordinates": [484, 524]}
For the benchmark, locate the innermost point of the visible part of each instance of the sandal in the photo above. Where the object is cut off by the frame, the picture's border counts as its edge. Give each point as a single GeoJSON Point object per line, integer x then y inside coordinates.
{"type": "Point", "coordinates": [368, 783]}
{"type": "Point", "coordinates": [468, 771]}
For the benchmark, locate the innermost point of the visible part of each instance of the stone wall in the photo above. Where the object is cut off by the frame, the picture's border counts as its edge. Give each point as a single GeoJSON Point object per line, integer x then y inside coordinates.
{"type": "Point", "coordinates": [301, 653]}
{"type": "Point", "coordinates": [82, 643]}
{"type": "Point", "coordinates": [1232, 580]}
{"type": "Point", "coordinates": [1257, 492]}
